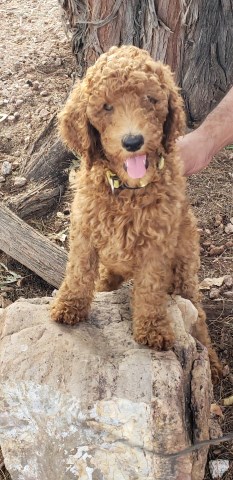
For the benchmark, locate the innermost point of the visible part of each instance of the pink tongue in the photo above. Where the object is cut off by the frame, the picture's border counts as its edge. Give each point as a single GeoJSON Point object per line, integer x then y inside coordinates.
{"type": "Point", "coordinates": [136, 166]}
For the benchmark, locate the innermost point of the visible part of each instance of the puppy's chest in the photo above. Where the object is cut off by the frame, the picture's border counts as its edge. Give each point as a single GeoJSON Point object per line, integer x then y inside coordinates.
{"type": "Point", "coordinates": [124, 232]}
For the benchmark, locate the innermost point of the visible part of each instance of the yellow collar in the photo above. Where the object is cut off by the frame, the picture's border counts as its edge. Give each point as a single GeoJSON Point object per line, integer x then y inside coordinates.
{"type": "Point", "coordinates": [116, 183]}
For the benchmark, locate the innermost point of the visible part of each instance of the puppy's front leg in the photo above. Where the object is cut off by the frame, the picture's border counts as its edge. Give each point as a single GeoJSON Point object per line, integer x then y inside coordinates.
{"type": "Point", "coordinates": [150, 323]}
{"type": "Point", "coordinates": [75, 295]}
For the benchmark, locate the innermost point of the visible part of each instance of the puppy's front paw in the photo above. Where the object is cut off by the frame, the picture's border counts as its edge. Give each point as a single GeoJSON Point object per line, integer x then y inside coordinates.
{"type": "Point", "coordinates": [69, 313]}
{"type": "Point", "coordinates": [161, 340]}
{"type": "Point", "coordinates": [157, 338]}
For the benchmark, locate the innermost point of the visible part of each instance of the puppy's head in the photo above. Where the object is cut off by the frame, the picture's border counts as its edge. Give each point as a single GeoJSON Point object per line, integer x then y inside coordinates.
{"type": "Point", "coordinates": [126, 112]}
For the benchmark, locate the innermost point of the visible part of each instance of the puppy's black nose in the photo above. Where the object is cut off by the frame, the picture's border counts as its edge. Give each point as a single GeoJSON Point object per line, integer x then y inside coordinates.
{"type": "Point", "coordinates": [132, 142]}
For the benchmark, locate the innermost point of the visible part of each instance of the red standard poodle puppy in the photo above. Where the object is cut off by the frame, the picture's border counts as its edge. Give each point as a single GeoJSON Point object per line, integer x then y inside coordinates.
{"type": "Point", "coordinates": [130, 216]}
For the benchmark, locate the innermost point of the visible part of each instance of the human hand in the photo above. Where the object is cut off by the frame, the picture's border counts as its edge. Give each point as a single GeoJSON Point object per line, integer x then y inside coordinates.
{"type": "Point", "coordinates": [195, 150]}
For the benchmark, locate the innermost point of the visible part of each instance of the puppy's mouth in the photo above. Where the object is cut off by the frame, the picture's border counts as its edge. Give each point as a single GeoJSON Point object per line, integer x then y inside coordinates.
{"type": "Point", "coordinates": [136, 166]}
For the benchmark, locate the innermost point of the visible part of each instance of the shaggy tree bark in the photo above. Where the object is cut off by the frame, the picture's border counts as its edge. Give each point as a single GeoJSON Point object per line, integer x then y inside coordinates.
{"type": "Point", "coordinates": [45, 176]}
{"type": "Point", "coordinates": [95, 26]}
{"type": "Point", "coordinates": [207, 70]}
{"type": "Point", "coordinates": [194, 37]}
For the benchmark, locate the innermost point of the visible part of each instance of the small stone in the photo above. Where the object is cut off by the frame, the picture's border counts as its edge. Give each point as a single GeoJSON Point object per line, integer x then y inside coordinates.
{"type": "Point", "coordinates": [207, 231]}
{"type": "Point", "coordinates": [226, 371]}
{"type": "Point", "coordinates": [2, 179]}
{"type": "Point", "coordinates": [228, 294]}
{"type": "Point", "coordinates": [218, 468]}
{"type": "Point", "coordinates": [18, 102]}
{"type": "Point", "coordinates": [29, 94]}
{"type": "Point", "coordinates": [229, 244]}
{"type": "Point", "coordinates": [217, 451]}
{"type": "Point", "coordinates": [5, 101]}
{"type": "Point", "coordinates": [58, 62]}
{"type": "Point", "coordinates": [36, 85]}
{"type": "Point", "coordinates": [3, 117]}
{"type": "Point", "coordinates": [43, 93]}
{"type": "Point", "coordinates": [17, 66]}
{"type": "Point", "coordinates": [216, 250]}
{"type": "Point", "coordinates": [15, 165]}
{"type": "Point", "coordinates": [228, 228]}
{"type": "Point", "coordinates": [44, 113]}
{"type": "Point", "coordinates": [207, 243]}
{"type": "Point", "coordinates": [214, 293]}
{"type": "Point", "coordinates": [6, 168]}
{"type": "Point", "coordinates": [11, 118]}
{"type": "Point", "coordinates": [20, 181]}
{"type": "Point", "coordinates": [228, 281]}
{"type": "Point", "coordinates": [218, 220]}
{"type": "Point", "coordinates": [230, 378]}
{"type": "Point", "coordinates": [16, 115]}
{"type": "Point", "coordinates": [231, 219]}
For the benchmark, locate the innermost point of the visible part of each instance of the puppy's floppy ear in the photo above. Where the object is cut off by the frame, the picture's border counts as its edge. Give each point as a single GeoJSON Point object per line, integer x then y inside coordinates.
{"type": "Point", "coordinates": [75, 129]}
{"type": "Point", "coordinates": [175, 122]}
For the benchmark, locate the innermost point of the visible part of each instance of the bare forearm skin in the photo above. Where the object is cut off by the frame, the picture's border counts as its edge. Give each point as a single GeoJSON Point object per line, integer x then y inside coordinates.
{"type": "Point", "coordinates": [198, 147]}
{"type": "Point", "coordinates": [218, 125]}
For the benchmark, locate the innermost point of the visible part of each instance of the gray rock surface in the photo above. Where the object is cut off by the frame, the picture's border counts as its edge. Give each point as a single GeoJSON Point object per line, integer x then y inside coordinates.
{"type": "Point", "coordinates": [89, 403]}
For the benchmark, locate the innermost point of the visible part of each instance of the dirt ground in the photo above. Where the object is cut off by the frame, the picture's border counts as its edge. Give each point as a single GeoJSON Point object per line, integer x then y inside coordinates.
{"type": "Point", "coordinates": [36, 74]}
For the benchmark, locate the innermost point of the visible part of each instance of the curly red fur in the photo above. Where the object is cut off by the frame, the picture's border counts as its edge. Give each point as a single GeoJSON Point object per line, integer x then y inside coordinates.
{"type": "Point", "coordinates": [149, 234]}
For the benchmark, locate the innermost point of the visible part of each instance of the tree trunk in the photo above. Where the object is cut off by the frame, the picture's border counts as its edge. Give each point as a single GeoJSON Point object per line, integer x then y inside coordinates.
{"type": "Point", "coordinates": [207, 64]}
{"type": "Point", "coordinates": [96, 26]}
{"type": "Point", "coordinates": [45, 175]}
{"type": "Point", "coordinates": [194, 37]}
{"type": "Point", "coordinates": [46, 182]}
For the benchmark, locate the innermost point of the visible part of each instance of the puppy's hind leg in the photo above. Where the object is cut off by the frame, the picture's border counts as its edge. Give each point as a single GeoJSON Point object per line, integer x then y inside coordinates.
{"type": "Point", "coordinates": [107, 281]}
{"type": "Point", "coordinates": [186, 284]}
{"type": "Point", "coordinates": [202, 334]}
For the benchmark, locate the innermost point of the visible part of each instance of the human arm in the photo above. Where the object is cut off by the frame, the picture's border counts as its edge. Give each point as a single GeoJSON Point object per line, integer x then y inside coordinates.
{"type": "Point", "coordinates": [198, 147]}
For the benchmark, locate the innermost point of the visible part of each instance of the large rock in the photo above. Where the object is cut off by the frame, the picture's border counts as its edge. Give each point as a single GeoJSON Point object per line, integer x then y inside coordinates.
{"type": "Point", "coordinates": [89, 403]}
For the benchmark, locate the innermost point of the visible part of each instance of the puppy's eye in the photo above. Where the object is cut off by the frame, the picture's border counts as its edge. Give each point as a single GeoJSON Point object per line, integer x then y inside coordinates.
{"type": "Point", "coordinates": [152, 100]}
{"type": "Point", "coordinates": [108, 107]}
